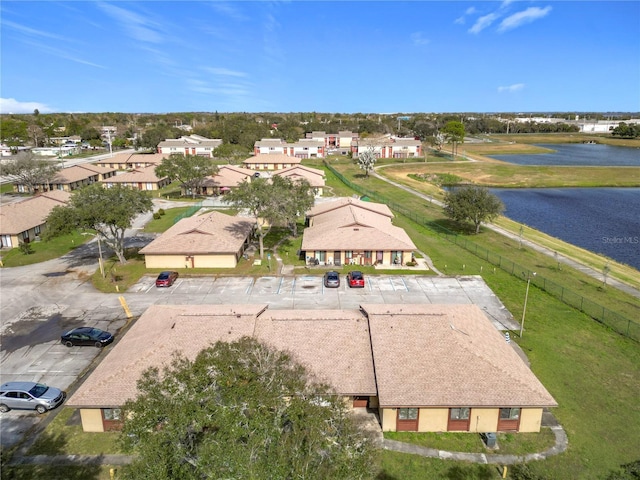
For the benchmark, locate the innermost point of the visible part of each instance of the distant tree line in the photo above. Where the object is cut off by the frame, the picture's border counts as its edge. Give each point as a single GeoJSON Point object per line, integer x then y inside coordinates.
{"type": "Point", "coordinates": [243, 129]}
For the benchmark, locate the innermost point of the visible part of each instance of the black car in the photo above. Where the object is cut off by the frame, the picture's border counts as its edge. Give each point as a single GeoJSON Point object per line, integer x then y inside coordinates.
{"type": "Point", "coordinates": [86, 336]}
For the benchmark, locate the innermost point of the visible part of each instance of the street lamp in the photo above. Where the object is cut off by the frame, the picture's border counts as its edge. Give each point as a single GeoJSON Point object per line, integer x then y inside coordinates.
{"type": "Point", "coordinates": [99, 251]}
{"type": "Point", "coordinates": [526, 297]}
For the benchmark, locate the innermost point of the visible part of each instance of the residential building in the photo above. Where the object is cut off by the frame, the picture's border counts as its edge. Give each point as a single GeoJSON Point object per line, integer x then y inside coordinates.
{"type": "Point", "coordinates": [424, 368]}
{"type": "Point", "coordinates": [143, 178]}
{"type": "Point", "coordinates": [353, 232]}
{"type": "Point", "coordinates": [128, 161]}
{"type": "Point", "coordinates": [71, 178]}
{"type": "Point", "coordinates": [274, 161]}
{"type": "Point", "coordinates": [304, 148]}
{"type": "Point", "coordinates": [314, 176]}
{"type": "Point", "coordinates": [211, 240]}
{"type": "Point", "coordinates": [336, 142]}
{"type": "Point", "coordinates": [23, 222]}
{"type": "Point", "coordinates": [388, 147]}
{"type": "Point", "coordinates": [190, 145]}
{"type": "Point", "coordinates": [227, 178]}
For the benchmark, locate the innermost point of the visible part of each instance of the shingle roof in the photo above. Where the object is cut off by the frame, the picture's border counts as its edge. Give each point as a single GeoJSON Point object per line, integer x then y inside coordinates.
{"type": "Point", "coordinates": [211, 233]}
{"type": "Point", "coordinates": [344, 201]}
{"type": "Point", "coordinates": [447, 355]}
{"type": "Point", "coordinates": [138, 175]}
{"type": "Point", "coordinates": [18, 217]}
{"type": "Point", "coordinates": [314, 176]}
{"type": "Point", "coordinates": [334, 344]}
{"type": "Point", "coordinates": [351, 224]}
{"type": "Point", "coordinates": [73, 174]}
{"type": "Point", "coordinates": [410, 355]}
{"type": "Point", "coordinates": [228, 176]}
{"type": "Point", "coordinates": [151, 341]}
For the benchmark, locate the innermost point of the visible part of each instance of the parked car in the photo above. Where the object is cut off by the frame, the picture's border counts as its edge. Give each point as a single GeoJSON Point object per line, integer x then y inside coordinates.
{"type": "Point", "coordinates": [86, 336]}
{"type": "Point", "coordinates": [29, 396]}
{"type": "Point", "coordinates": [355, 279]}
{"type": "Point", "coordinates": [331, 280]}
{"type": "Point", "coordinates": [166, 279]}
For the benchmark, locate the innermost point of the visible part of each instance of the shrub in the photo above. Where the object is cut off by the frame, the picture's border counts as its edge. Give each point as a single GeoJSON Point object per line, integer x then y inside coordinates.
{"type": "Point", "coordinates": [161, 212]}
{"type": "Point", "coordinates": [156, 216]}
{"type": "Point", "coordinates": [26, 248]}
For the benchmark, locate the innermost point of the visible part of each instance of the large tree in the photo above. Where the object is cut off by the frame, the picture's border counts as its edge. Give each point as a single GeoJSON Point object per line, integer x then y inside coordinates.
{"type": "Point", "coordinates": [31, 171]}
{"type": "Point", "coordinates": [454, 132]}
{"type": "Point", "coordinates": [290, 200]}
{"type": "Point", "coordinates": [108, 211]}
{"type": "Point", "coordinates": [189, 170]}
{"type": "Point", "coordinates": [472, 204]}
{"type": "Point", "coordinates": [241, 410]}
{"type": "Point", "coordinates": [367, 160]}
{"type": "Point", "coordinates": [255, 197]}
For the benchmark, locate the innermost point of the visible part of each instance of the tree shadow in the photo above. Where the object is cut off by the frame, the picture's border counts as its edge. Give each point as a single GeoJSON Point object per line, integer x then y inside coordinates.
{"type": "Point", "coordinates": [54, 467]}
{"type": "Point", "coordinates": [471, 472]}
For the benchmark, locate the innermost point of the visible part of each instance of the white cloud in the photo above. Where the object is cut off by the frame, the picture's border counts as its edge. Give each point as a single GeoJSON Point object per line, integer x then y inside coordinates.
{"type": "Point", "coordinates": [138, 26]}
{"type": "Point", "coordinates": [11, 105]}
{"type": "Point", "coordinates": [483, 22]}
{"type": "Point", "coordinates": [418, 39]}
{"type": "Point", "coordinates": [31, 31]}
{"type": "Point", "coordinates": [228, 10]}
{"type": "Point", "coordinates": [225, 72]}
{"type": "Point", "coordinates": [65, 54]}
{"type": "Point", "coordinates": [511, 88]}
{"type": "Point", "coordinates": [522, 18]}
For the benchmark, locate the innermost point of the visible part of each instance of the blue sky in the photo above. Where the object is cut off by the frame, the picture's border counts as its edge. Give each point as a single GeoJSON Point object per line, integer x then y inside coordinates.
{"type": "Point", "coordinates": [363, 56]}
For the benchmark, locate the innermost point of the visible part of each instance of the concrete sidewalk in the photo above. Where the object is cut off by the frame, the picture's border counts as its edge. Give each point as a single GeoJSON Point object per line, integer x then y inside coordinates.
{"type": "Point", "coordinates": [494, 458]}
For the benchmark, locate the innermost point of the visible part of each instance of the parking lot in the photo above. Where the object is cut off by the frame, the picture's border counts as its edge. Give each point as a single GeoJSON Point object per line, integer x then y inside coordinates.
{"type": "Point", "coordinates": [43, 304]}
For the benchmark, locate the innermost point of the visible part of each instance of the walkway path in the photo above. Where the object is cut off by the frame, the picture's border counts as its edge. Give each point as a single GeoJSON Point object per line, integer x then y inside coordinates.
{"type": "Point", "coordinates": [534, 246]}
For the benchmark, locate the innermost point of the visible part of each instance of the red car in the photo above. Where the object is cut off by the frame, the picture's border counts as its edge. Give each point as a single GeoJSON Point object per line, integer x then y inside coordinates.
{"type": "Point", "coordinates": [166, 279]}
{"type": "Point", "coordinates": [355, 279]}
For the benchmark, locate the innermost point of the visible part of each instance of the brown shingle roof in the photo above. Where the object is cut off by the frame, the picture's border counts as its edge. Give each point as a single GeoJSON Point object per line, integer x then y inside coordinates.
{"type": "Point", "coordinates": [73, 174]}
{"type": "Point", "coordinates": [210, 233]}
{"type": "Point", "coordinates": [314, 176]}
{"type": "Point", "coordinates": [380, 208]}
{"type": "Point", "coordinates": [423, 355]}
{"type": "Point", "coordinates": [151, 341]}
{"type": "Point", "coordinates": [228, 176]}
{"type": "Point", "coordinates": [334, 344]}
{"type": "Point", "coordinates": [354, 225]}
{"type": "Point", "coordinates": [447, 355]}
{"type": "Point", "coordinates": [139, 175]}
{"type": "Point", "coordinates": [18, 217]}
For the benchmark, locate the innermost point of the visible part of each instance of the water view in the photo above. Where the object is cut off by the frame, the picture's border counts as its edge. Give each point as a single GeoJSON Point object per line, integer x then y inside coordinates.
{"type": "Point", "coordinates": [578, 154]}
{"type": "Point", "coordinates": [602, 220]}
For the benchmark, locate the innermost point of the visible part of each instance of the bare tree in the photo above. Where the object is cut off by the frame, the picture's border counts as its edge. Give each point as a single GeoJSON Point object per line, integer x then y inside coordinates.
{"type": "Point", "coordinates": [31, 171]}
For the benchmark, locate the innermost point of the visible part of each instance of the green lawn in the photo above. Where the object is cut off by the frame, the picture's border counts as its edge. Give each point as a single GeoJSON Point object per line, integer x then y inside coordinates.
{"type": "Point", "coordinates": [43, 251]}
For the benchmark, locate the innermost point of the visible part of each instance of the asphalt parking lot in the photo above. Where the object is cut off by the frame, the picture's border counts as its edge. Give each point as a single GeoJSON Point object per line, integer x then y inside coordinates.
{"type": "Point", "coordinates": [39, 303]}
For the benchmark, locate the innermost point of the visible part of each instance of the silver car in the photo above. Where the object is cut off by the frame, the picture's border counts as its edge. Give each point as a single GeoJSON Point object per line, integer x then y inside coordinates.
{"type": "Point", "coordinates": [29, 396]}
